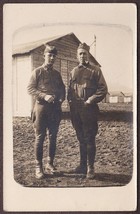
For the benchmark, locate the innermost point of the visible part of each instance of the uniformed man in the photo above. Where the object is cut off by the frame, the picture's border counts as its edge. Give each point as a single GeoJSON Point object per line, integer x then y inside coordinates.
{"type": "Point", "coordinates": [48, 89]}
{"type": "Point", "coordinates": [87, 87]}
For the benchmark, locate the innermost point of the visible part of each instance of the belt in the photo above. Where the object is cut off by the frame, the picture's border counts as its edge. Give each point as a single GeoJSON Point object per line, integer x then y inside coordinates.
{"type": "Point", "coordinates": [43, 102]}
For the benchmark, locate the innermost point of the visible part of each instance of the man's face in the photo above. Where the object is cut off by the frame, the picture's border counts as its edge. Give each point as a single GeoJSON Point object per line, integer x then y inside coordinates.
{"type": "Point", "coordinates": [49, 58]}
{"type": "Point", "coordinates": [82, 56]}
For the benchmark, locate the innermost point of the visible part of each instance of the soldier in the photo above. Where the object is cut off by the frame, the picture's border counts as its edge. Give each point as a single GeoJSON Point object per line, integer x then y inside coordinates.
{"type": "Point", "coordinates": [87, 87]}
{"type": "Point", "coordinates": [48, 89]}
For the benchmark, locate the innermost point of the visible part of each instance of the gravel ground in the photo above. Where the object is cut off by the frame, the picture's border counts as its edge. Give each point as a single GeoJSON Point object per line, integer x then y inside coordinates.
{"type": "Point", "coordinates": [114, 156]}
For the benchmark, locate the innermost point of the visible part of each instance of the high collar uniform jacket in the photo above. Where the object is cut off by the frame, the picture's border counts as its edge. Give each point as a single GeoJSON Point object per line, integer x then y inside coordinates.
{"type": "Point", "coordinates": [46, 81]}
{"type": "Point", "coordinates": [87, 83]}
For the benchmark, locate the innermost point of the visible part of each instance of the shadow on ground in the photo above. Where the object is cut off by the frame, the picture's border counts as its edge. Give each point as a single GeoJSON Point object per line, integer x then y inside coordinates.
{"type": "Point", "coordinates": [100, 179]}
{"type": "Point", "coordinates": [115, 178]}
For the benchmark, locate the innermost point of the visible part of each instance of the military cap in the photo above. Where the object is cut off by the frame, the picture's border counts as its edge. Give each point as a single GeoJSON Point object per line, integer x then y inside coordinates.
{"type": "Point", "coordinates": [84, 46]}
{"type": "Point", "coordinates": [50, 49]}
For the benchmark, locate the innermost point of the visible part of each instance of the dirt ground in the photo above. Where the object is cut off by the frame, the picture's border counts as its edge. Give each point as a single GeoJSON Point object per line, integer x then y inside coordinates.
{"type": "Point", "coordinates": [114, 155]}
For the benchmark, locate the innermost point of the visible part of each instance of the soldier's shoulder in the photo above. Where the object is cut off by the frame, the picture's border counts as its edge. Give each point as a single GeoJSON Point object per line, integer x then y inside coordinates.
{"type": "Point", "coordinates": [95, 67]}
{"type": "Point", "coordinates": [38, 69]}
{"type": "Point", "coordinates": [76, 68]}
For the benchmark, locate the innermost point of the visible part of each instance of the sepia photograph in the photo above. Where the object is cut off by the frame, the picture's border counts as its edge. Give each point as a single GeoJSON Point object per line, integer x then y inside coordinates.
{"type": "Point", "coordinates": [70, 78]}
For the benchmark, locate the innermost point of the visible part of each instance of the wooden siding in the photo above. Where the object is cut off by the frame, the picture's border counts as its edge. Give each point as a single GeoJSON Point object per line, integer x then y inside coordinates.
{"type": "Point", "coordinates": [37, 58]}
{"type": "Point", "coordinates": [65, 67]}
{"type": "Point", "coordinates": [57, 64]}
{"type": "Point", "coordinates": [66, 46]}
{"type": "Point", "coordinates": [64, 74]}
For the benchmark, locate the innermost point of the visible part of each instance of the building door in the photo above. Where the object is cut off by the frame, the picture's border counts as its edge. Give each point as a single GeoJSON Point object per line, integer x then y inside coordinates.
{"type": "Point", "coordinates": [21, 75]}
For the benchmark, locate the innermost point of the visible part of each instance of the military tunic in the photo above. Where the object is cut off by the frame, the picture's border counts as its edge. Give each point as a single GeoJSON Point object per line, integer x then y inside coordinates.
{"type": "Point", "coordinates": [46, 81]}
{"type": "Point", "coordinates": [86, 84]}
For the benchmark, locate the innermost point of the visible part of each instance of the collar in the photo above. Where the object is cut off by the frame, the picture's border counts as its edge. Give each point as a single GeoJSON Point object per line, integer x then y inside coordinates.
{"type": "Point", "coordinates": [86, 64]}
{"type": "Point", "coordinates": [47, 67]}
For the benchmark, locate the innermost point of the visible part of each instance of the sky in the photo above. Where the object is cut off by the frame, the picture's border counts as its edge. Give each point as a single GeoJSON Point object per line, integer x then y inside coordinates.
{"type": "Point", "coordinates": [113, 24]}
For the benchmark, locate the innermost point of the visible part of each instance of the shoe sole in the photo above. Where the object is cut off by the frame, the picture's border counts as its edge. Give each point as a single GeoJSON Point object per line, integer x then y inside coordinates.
{"type": "Point", "coordinates": [49, 171]}
{"type": "Point", "coordinates": [39, 177]}
{"type": "Point", "coordinates": [90, 177]}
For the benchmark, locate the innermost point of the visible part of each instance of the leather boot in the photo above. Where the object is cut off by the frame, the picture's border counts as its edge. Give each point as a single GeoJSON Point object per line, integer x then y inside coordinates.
{"type": "Point", "coordinates": [39, 170]}
{"type": "Point", "coordinates": [90, 157]}
{"type": "Point", "coordinates": [82, 168]}
{"type": "Point", "coordinates": [50, 167]}
{"type": "Point", "coordinates": [90, 172]}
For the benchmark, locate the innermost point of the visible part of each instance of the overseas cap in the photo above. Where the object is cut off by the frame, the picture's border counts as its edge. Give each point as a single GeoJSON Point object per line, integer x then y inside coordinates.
{"type": "Point", "coordinates": [83, 46]}
{"type": "Point", "coordinates": [50, 49]}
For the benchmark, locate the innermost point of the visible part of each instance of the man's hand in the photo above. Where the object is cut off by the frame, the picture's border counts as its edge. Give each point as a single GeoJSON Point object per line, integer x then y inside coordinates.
{"type": "Point", "coordinates": [49, 98]}
{"type": "Point", "coordinates": [88, 102]}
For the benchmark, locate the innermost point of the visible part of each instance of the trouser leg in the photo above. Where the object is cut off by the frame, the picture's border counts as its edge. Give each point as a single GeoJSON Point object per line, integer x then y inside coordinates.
{"type": "Point", "coordinates": [91, 151]}
{"type": "Point", "coordinates": [40, 132]}
{"type": "Point", "coordinates": [77, 124]}
{"type": "Point", "coordinates": [90, 127]}
{"type": "Point", "coordinates": [52, 148]}
{"type": "Point", "coordinates": [83, 155]}
{"type": "Point", "coordinates": [40, 136]}
{"type": "Point", "coordinates": [53, 127]}
{"type": "Point", "coordinates": [89, 138]}
{"type": "Point", "coordinates": [39, 146]}
{"type": "Point", "coordinates": [51, 153]}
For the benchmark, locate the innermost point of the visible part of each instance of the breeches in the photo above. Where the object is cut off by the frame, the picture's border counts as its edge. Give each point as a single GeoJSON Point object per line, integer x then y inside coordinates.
{"type": "Point", "coordinates": [84, 119]}
{"type": "Point", "coordinates": [47, 116]}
